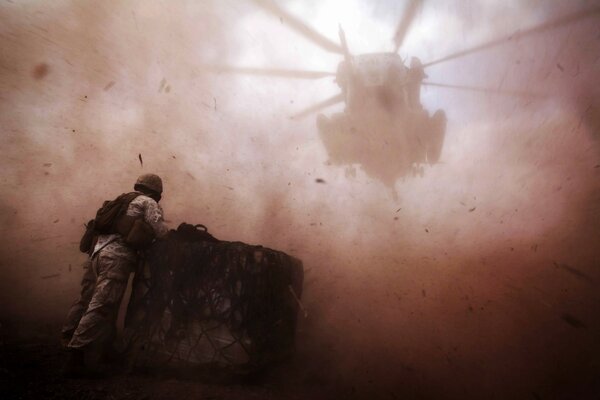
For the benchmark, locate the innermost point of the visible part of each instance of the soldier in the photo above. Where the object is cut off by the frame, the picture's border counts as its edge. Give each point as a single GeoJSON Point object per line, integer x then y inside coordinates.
{"type": "Point", "coordinates": [91, 320]}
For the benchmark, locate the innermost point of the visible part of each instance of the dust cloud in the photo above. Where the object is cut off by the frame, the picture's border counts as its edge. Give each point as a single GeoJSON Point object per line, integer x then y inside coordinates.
{"type": "Point", "coordinates": [477, 280]}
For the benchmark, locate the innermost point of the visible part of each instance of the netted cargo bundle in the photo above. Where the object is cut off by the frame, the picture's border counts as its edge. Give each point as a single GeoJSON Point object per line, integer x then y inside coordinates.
{"type": "Point", "coordinates": [197, 300]}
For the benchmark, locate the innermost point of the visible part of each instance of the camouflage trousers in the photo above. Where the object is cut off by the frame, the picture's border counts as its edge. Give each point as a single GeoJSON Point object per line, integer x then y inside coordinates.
{"type": "Point", "coordinates": [91, 319]}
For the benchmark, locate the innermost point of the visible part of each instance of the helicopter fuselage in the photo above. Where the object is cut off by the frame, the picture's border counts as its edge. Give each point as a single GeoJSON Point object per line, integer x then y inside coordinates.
{"type": "Point", "coordinates": [383, 116]}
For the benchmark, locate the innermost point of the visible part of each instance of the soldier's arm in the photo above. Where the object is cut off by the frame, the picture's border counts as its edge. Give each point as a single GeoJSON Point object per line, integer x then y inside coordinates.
{"type": "Point", "coordinates": [153, 214]}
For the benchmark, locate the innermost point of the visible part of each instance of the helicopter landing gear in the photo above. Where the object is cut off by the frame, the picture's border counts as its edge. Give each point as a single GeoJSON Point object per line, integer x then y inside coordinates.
{"type": "Point", "coordinates": [437, 131]}
{"type": "Point", "coordinates": [417, 170]}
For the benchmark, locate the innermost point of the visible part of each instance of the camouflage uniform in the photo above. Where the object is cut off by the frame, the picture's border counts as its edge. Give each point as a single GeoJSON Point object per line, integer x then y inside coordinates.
{"type": "Point", "coordinates": [91, 319]}
{"type": "Point", "coordinates": [88, 282]}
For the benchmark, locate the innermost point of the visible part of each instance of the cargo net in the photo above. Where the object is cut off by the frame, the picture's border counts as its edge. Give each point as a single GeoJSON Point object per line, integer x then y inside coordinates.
{"type": "Point", "coordinates": [197, 301]}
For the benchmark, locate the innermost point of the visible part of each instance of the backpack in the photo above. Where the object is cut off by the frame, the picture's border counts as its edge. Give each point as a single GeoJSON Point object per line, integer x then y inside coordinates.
{"type": "Point", "coordinates": [111, 218]}
{"type": "Point", "coordinates": [107, 216]}
{"type": "Point", "coordinates": [194, 233]}
{"type": "Point", "coordinates": [88, 240]}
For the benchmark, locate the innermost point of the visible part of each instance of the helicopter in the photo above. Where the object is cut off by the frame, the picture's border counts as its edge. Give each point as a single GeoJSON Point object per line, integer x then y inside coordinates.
{"type": "Point", "coordinates": [384, 128]}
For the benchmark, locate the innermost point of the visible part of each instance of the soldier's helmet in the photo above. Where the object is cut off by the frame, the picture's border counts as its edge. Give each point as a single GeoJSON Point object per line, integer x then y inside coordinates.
{"type": "Point", "coordinates": [150, 181]}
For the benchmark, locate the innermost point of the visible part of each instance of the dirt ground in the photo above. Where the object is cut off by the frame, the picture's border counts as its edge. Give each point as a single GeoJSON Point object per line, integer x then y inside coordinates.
{"type": "Point", "coordinates": [31, 368]}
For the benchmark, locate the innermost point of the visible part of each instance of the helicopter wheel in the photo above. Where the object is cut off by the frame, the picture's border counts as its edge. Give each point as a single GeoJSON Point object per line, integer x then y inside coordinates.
{"type": "Point", "coordinates": [437, 131]}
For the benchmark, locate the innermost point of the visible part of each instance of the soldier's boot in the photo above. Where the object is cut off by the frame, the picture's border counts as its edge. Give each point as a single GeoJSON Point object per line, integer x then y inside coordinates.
{"type": "Point", "coordinates": [75, 365]}
{"type": "Point", "coordinates": [65, 337]}
{"type": "Point", "coordinates": [78, 366]}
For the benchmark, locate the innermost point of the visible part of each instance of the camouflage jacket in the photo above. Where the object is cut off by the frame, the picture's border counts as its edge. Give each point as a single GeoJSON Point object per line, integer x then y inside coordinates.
{"type": "Point", "coordinates": [140, 206]}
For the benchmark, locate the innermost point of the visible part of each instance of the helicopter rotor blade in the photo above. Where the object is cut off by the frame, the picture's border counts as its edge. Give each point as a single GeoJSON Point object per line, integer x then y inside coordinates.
{"type": "Point", "coordinates": [405, 22]}
{"type": "Point", "coordinates": [567, 19]}
{"type": "Point", "coordinates": [323, 104]}
{"type": "Point", "coordinates": [270, 72]}
{"type": "Point", "coordinates": [300, 27]}
{"type": "Point", "coordinates": [516, 93]}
